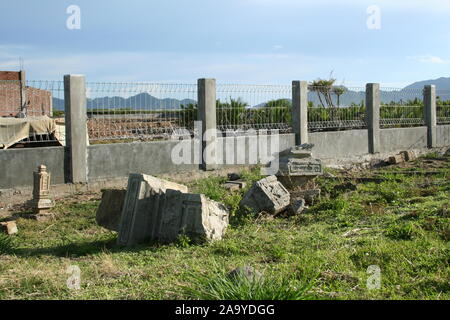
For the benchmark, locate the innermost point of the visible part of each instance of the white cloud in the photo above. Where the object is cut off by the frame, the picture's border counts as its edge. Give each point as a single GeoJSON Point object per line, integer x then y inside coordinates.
{"type": "Point", "coordinates": [430, 59]}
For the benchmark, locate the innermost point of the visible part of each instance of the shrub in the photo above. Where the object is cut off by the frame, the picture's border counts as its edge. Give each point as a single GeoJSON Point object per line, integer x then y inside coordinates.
{"type": "Point", "coordinates": [223, 287]}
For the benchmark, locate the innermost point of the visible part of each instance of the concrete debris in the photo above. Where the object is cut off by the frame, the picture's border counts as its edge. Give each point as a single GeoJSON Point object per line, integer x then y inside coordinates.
{"type": "Point", "coordinates": [309, 195]}
{"type": "Point", "coordinates": [408, 155]}
{"type": "Point", "coordinates": [143, 208]}
{"type": "Point", "coordinates": [193, 215]}
{"type": "Point", "coordinates": [234, 185]}
{"type": "Point", "coordinates": [298, 206]}
{"type": "Point", "coordinates": [267, 195]}
{"type": "Point", "coordinates": [297, 167]}
{"type": "Point", "coordinates": [9, 227]}
{"type": "Point", "coordinates": [396, 159]}
{"type": "Point", "coordinates": [110, 209]}
{"type": "Point", "coordinates": [161, 210]}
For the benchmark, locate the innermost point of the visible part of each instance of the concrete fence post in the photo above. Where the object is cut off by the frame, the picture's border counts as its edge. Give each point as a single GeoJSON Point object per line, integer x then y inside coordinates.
{"type": "Point", "coordinates": [429, 101]}
{"type": "Point", "coordinates": [300, 111]}
{"type": "Point", "coordinates": [76, 127]}
{"type": "Point", "coordinates": [23, 92]}
{"type": "Point", "coordinates": [373, 116]}
{"type": "Point", "coordinates": [207, 115]}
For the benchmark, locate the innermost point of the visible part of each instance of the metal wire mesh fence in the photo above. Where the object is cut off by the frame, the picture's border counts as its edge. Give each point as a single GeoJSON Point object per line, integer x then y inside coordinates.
{"type": "Point", "coordinates": [28, 113]}
{"type": "Point", "coordinates": [443, 106]}
{"type": "Point", "coordinates": [336, 107]}
{"type": "Point", "coordinates": [401, 108]}
{"type": "Point", "coordinates": [140, 111]}
{"type": "Point", "coordinates": [259, 107]}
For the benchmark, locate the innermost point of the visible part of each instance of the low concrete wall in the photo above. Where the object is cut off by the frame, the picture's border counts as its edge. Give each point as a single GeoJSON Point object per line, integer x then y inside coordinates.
{"type": "Point", "coordinates": [109, 161]}
{"type": "Point", "coordinates": [398, 139]}
{"type": "Point", "coordinates": [336, 144]}
{"type": "Point", "coordinates": [17, 165]}
{"type": "Point", "coordinates": [121, 159]}
{"type": "Point", "coordinates": [247, 150]}
{"type": "Point", "coordinates": [443, 135]}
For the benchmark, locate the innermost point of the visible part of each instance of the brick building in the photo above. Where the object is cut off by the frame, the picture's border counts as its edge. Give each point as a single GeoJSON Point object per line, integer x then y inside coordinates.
{"type": "Point", "coordinates": [16, 96]}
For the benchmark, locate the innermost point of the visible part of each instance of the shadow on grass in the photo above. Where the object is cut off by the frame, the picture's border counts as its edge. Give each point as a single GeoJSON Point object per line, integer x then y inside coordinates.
{"type": "Point", "coordinates": [80, 249]}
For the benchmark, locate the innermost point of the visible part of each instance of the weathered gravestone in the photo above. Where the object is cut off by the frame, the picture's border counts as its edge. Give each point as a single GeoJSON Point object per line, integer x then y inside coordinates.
{"type": "Point", "coordinates": [110, 209]}
{"type": "Point", "coordinates": [143, 207]}
{"type": "Point", "coordinates": [42, 201]}
{"type": "Point", "coordinates": [267, 195]}
{"type": "Point", "coordinates": [193, 215]}
{"type": "Point", "coordinates": [297, 167]}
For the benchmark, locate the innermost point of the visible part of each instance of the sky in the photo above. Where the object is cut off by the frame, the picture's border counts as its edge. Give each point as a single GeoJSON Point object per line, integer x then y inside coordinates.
{"type": "Point", "coordinates": [234, 41]}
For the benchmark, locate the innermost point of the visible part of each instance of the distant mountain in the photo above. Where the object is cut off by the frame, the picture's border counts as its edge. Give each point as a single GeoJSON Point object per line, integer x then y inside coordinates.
{"type": "Point", "coordinates": [141, 101]}
{"type": "Point", "coordinates": [441, 84]}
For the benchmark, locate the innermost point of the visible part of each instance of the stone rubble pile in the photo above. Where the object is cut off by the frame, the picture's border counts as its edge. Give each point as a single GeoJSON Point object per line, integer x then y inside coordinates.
{"type": "Point", "coordinates": [297, 166]}
{"type": "Point", "coordinates": [403, 156]}
{"type": "Point", "coordinates": [160, 210]}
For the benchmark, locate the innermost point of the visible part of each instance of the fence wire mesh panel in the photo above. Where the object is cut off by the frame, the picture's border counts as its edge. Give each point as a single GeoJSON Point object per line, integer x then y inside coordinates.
{"type": "Point", "coordinates": [443, 106]}
{"type": "Point", "coordinates": [401, 108]}
{"type": "Point", "coordinates": [121, 112]}
{"type": "Point", "coordinates": [336, 108]}
{"type": "Point", "coordinates": [258, 107]}
{"type": "Point", "coordinates": [29, 113]}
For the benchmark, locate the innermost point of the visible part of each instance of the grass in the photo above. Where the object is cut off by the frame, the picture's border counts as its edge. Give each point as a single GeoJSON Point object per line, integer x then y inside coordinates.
{"type": "Point", "coordinates": [401, 225]}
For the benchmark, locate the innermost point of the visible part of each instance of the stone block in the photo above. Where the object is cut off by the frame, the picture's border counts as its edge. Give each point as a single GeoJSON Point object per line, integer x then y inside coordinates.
{"type": "Point", "coordinates": [9, 227]}
{"type": "Point", "coordinates": [234, 185]}
{"type": "Point", "coordinates": [308, 195]}
{"type": "Point", "coordinates": [398, 158]}
{"type": "Point", "coordinates": [110, 209]}
{"type": "Point", "coordinates": [193, 215]}
{"type": "Point", "coordinates": [408, 155]}
{"type": "Point", "coordinates": [267, 195]}
{"type": "Point", "coordinates": [142, 209]}
{"type": "Point", "coordinates": [298, 206]}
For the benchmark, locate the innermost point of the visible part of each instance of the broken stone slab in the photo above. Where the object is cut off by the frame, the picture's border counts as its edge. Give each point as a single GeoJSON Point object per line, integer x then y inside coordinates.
{"type": "Point", "coordinates": [234, 185]}
{"type": "Point", "coordinates": [297, 167]}
{"type": "Point", "coordinates": [193, 215]}
{"type": "Point", "coordinates": [143, 208]}
{"type": "Point", "coordinates": [110, 209]}
{"type": "Point", "coordinates": [396, 159]}
{"type": "Point", "coordinates": [298, 206]}
{"type": "Point", "coordinates": [267, 195]}
{"type": "Point", "coordinates": [308, 195]}
{"type": "Point", "coordinates": [9, 227]}
{"type": "Point", "coordinates": [408, 155]}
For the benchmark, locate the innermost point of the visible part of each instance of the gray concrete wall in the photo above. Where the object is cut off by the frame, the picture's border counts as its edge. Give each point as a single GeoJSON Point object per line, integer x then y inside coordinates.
{"type": "Point", "coordinates": [246, 149]}
{"type": "Point", "coordinates": [397, 139]}
{"type": "Point", "coordinates": [17, 165]}
{"type": "Point", "coordinates": [336, 144]}
{"type": "Point", "coordinates": [442, 135]}
{"type": "Point", "coordinates": [118, 160]}
{"type": "Point", "coordinates": [121, 159]}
